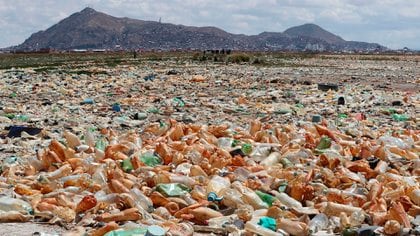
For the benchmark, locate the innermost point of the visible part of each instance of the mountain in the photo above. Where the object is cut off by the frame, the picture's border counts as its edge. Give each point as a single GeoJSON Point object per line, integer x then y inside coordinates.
{"type": "Point", "coordinates": [313, 31]}
{"type": "Point", "coordinates": [90, 29]}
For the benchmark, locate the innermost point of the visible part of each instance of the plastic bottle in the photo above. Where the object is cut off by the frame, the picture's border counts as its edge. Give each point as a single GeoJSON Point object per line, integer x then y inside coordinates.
{"type": "Point", "coordinates": [399, 117]}
{"type": "Point", "coordinates": [253, 227]}
{"type": "Point", "coordinates": [225, 143]}
{"type": "Point", "coordinates": [319, 222]}
{"type": "Point", "coordinates": [182, 179]}
{"type": "Point", "coordinates": [126, 165]}
{"type": "Point", "coordinates": [101, 196]}
{"type": "Point", "coordinates": [392, 141]}
{"type": "Point", "coordinates": [99, 176]}
{"type": "Point", "coordinates": [287, 200]}
{"type": "Point", "coordinates": [241, 174]}
{"type": "Point", "coordinates": [246, 148]}
{"type": "Point", "coordinates": [324, 143]}
{"type": "Point", "coordinates": [250, 197]}
{"type": "Point", "coordinates": [14, 204]}
{"type": "Point", "coordinates": [194, 156]}
{"type": "Point", "coordinates": [129, 232]}
{"type": "Point", "coordinates": [267, 198]}
{"type": "Point", "coordinates": [220, 222]}
{"type": "Point", "coordinates": [13, 216]}
{"type": "Point", "coordinates": [150, 159]}
{"type": "Point", "coordinates": [272, 159]}
{"type": "Point", "coordinates": [216, 184]}
{"type": "Point", "coordinates": [260, 152]}
{"type": "Point", "coordinates": [357, 218]}
{"type": "Point", "coordinates": [142, 199]}
{"type": "Point", "coordinates": [101, 144]}
{"type": "Point", "coordinates": [173, 189]}
{"type": "Point", "coordinates": [415, 196]}
{"type": "Point", "coordinates": [231, 198]}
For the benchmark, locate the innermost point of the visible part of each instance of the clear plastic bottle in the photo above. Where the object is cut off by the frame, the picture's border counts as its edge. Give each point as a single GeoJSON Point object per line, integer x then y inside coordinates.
{"type": "Point", "coordinates": [287, 200]}
{"type": "Point", "coordinates": [272, 159]}
{"type": "Point", "coordinates": [142, 199]}
{"type": "Point", "coordinates": [99, 177]}
{"type": "Point", "coordinates": [319, 222]}
{"type": "Point", "coordinates": [15, 204]}
{"type": "Point", "coordinates": [357, 218]}
{"type": "Point", "coordinates": [260, 152]}
{"type": "Point", "coordinates": [182, 179]}
{"type": "Point", "coordinates": [225, 143]}
{"type": "Point", "coordinates": [217, 184]}
{"type": "Point", "coordinates": [231, 198]}
{"type": "Point", "coordinates": [249, 196]}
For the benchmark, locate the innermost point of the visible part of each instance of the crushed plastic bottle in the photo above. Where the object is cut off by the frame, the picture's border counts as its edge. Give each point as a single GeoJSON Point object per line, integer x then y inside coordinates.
{"type": "Point", "coordinates": [14, 204]}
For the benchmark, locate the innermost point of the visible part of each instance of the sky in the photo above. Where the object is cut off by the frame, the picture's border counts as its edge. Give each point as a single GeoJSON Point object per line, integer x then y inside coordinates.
{"type": "Point", "coordinates": [392, 23]}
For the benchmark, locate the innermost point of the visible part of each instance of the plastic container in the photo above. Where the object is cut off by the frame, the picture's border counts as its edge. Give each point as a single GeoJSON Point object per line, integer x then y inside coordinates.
{"type": "Point", "coordinates": [14, 204]}
{"type": "Point", "coordinates": [217, 184]}
{"type": "Point", "coordinates": [254, 227]}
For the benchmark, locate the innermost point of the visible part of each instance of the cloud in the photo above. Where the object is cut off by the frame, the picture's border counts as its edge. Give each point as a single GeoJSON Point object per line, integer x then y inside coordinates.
{"type": "Point", "coordinates": [393, 23]}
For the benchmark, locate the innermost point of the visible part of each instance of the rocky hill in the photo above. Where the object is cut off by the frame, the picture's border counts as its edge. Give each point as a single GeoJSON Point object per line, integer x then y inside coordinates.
{"type": "Point", "coordinates": [90, 29]}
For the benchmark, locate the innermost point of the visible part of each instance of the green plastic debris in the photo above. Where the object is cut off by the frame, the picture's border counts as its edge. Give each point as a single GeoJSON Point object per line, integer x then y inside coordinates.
{"type": "Point", "coordinates": [267, 198]}
{"type": "Point", "coordinates": [150, 159]}
{"type": "Point", "coordinates": [246, 148]}
{"type": "Point", "coordinates": [324, 143]}
{"type": "Point", "coordinates": [398, 117]}
{"type": "Point", "coordinates": [173, 189]}
{"type": "Point", "coordinates": [349, 232]}
{"type": "Point", "coordinates": [101, 144]}
{"type": "Point", "coordinates": [283, 111]}
{"type": "Point", "coordinates": [235, 143]}
{"type": "Point", "coordinates": [342, 116]}
{"type": "Point", "coordinates": [130, 232]}
{"type": "Point", "coordinates": [155, 230]}
{"type": "Point", "coordinates": [268, 223]}
{"type": "Point", "coordinates": [10, 160]}
{"type": "Point", "coordinates": [92, 129]}
{"type": "Point", "coordinates": [126, 165]}
{"type": "Point", "coordinates": [162, 124]}
{"type": "Point", "coordinates": [392, 111]}
{"type": "Point", "coordinates": [299, 105]}
{"type": "Point", "coordinates": [283, 187]}
{"type": "Point", "coordinates": [10, 116]}
{"type": "Point", "coordinates": [22, 118]}
{"type": "Point", "coordinates": [286, 163]}
{"type": "Point", "coordinates": [153, 110]}
{"type": "Point", "coordinates": [179, 102]}
{"type": "Point", "coordinates": [12, 95]}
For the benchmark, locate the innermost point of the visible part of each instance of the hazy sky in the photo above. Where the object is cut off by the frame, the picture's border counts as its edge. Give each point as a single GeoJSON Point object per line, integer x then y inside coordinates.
{"type": "Point", "coordinates": [392, 23]}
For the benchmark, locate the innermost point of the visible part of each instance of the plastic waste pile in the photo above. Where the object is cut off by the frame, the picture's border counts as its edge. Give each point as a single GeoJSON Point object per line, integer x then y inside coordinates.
{"type": "Point", "coordinates": [237, 150]}
{"type": "Point", "coordinates": [294, 179]}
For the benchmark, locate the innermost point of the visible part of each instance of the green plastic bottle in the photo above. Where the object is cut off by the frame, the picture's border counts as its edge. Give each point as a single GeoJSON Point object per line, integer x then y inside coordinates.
{"type": "Point", "coordinates": [398, 117]}
{"type": "Point", "coordinates": [246, 148]}
{"type": "Point", "coordinates": [267, 198]}
{"type": "Point", "coordinates": [129, 232]}
{"type": "Point", "coordinates": [324, 143]}
{"type": "Point", "coordinates": [173, 189]}
{"type": "Point", "coordinates": [101, 144]}
{"type": "Point", "coordinates": [150, 159]}
{"type": "Point", "coordinates": [126, 165]}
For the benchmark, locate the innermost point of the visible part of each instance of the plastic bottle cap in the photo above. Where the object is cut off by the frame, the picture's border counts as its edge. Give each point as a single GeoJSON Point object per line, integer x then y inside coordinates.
{"type": "Point", "coordinates": [316, 118]}
{"type": "Point", "coordinates": [155, 230]}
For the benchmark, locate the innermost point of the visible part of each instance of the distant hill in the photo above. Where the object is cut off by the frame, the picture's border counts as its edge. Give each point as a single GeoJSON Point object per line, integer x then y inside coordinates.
{"type": "Point", "coordinates": [90, 29]}
{"type": "Point", "coordinates": [313, 31]}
